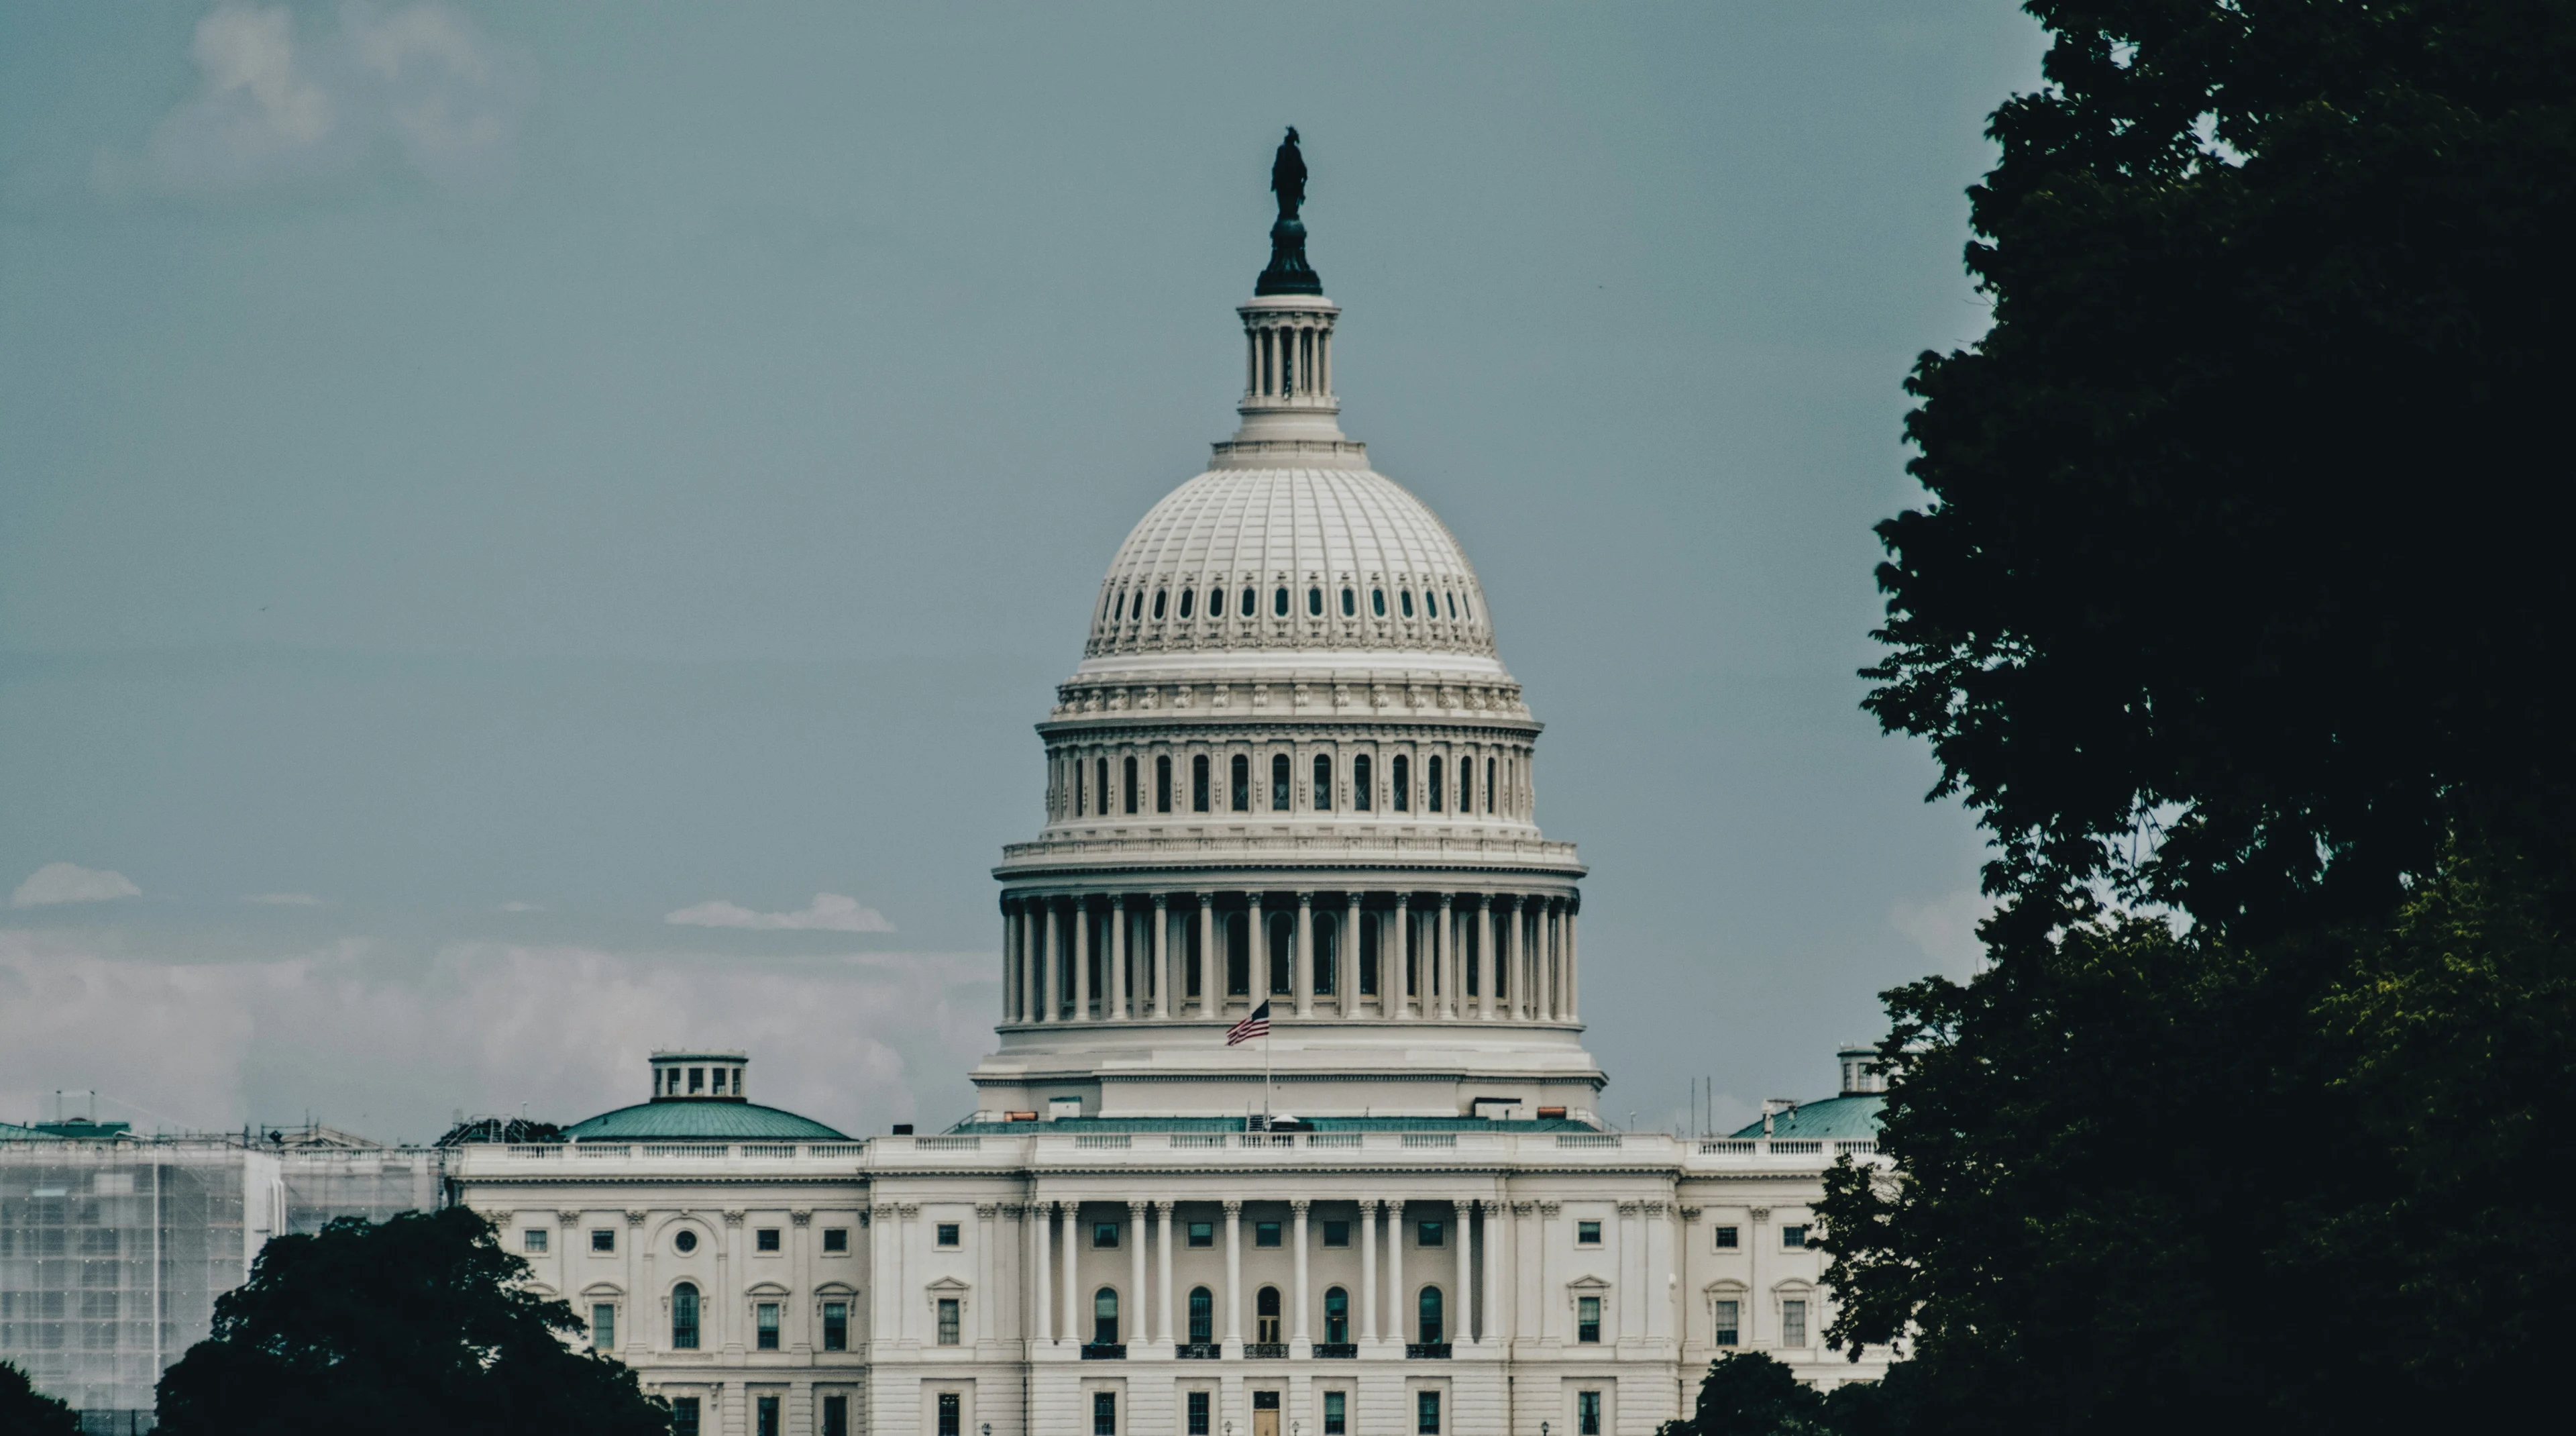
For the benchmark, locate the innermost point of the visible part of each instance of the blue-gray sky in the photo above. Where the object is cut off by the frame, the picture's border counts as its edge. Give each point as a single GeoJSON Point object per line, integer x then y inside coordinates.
{"type": "Point", "coordinates": [476, 480]}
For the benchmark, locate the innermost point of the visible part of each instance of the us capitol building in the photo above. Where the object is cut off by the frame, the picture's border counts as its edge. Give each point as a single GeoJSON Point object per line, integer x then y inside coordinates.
{"type": "Point", "coordinates": [1290, 776]}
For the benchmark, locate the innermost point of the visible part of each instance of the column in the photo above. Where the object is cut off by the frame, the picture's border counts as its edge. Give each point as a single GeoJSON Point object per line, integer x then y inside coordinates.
{"type": "Point", "coordinates": [1233, 1278]}
{"type": "Point", "coordinates": [1031, 929]}
{"type": "Point", "coordinates": [1346, 961]}
{"type": "Point", "coordinates": [1486, 967]}
{"type": "Point", "coordinates": [986, 1272]}
{"type": "Point", "coordinates": [1516, 1001]}
{"type": "Point", "coordinates": [1462, 1319]}
{"type": "Point", "coordinates": [1632, 1276]}
{"type": "Point", "coordinates": [1302, 976]}
{"type": "Point", "coordinates": [1082, 959]}
{"type": "Point", "coordinates": [1132, 1309]}
{"type": "Point", "coordinates": [1010, 961]}
{"type": "Point", "coordinates": [1163, 1251]}
{"type": "Point", "coordinates": [1256, 935]}
{"type": "Point", "coordinates": [1073, 1328]}
{"type": "Point", "coordinates": [1394, 975]}
{"type": "Point", "coordinates": [1116, 969]}
{"type": "Point", "coordinates": [1042, 1313]}
{"type": "Point", "coordinates": [1050, 978]}
{"type": "Point", "coordinates": [1301, 1334]}
{"type": "Point", "coordinates": [1497, 1233]}
{"type": "Point", "coordinates": [1164, 974]}
{"type": "Point", "coordinates": [1396, 1324]}
{"type": "Point", "coordinates": [1573, 963]}
{"type": "Point", "coordinates": [1549, 1314]}
{"type": "Point", "coordinates": [1441, 943]}
{"type": "Point", "coordinates": [1209, 1003]}
{"type": "Point", "coordinates": [1368, 1233]}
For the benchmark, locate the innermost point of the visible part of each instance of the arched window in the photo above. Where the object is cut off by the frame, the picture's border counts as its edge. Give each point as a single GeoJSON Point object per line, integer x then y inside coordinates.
{"type": "Point", "coordinates": [1130, 790]}
{"type": "Point", "coordinates": [1489, 787]}
{"type": "Point", "coordinates": [1350, 604]}
{"type": "Point", "coordinates": [1279, 798]}
{"type": "Point", "coordinates": [1323, 783]}
{"type": "Point", "coordinates": [1431, 1331]}
{"type": "Point", "coordinates": [1403, 784]}
{"type": "Point", "coordinates": [1279, 603]}
{"type": "Point", "coordinates": [1163, 784]}
{"type": "Point", "coordinates": [1078, 809]}
{"type": "Point", "coordinates": [684, 1317]}
{"type": "Point", "coordinates": [1104, 787]}
{"type": "Point", "coordinates": [1361, 794]}
{"type": "Point", "coordinates": [1238, 956]}
{"type": "Point", "coordinates": [1337, 1316]}
{"type": "Point", "coordinates": [1453, 608]}
{"type": "Point", "coordinates": [1245, 608]}
{"type": "Point", "coordinates": [1283, 951]}
{"type": "Point", "coordinates": [1265, 1315]}
{"type": "Point", "coordinates": [1202, 1316]}
{"type": "Point", "coordinates": [1199, 783]}
{"type": "Point", "coordinates": [1430, 604]}
{"type": "Point", "coordinates": [1314, 603]}
{"type": "Point", "coordinates": [1468, 607]}
{"type": "Point", "coordinates": [1439, 791]}
{"type": "Point", "coordinates": [1158, 603]}
{"type": "Point", "coordinates": [1466, 785]}
{"type": "Point", "coordinates": [1242, 784]}
{"type": "Point", "coordinates": [1118, 609]}
{"type": "Point", "coordinates": [1104, 1317]}
{"type": "Point", "coordinates": [1377, 602]}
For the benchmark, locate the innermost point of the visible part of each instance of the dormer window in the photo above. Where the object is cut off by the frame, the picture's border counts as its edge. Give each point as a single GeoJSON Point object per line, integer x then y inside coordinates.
{"type": "Point", "coordinates": [697, 1080]}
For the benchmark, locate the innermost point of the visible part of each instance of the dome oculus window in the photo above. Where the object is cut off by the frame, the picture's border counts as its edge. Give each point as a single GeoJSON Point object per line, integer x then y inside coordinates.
{"type": "Point", "coordinates": [1377, 601]}
{"type": "Point", "coordinates": [1158, 604]}
{"type": "Point", "coordinates": [1350, 604]}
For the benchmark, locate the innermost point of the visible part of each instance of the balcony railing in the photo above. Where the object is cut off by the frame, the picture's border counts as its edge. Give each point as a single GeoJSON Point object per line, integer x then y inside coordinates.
{"type": "Point", "coordinates": [1104, 1351]}
{"type": "Point", "coordinates": [1198, 1351]}
{"type": "Point", "coordinates": [1265, 1351]}
{"type": "Point", "coordinates": [1336, 1350]}
{"type": "Point", "coordinates": [1426, 1351]}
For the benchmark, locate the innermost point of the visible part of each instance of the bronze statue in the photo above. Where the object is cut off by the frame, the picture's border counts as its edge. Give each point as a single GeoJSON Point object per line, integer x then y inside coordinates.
{"type": "Point", "coordinates": [1288, 176]}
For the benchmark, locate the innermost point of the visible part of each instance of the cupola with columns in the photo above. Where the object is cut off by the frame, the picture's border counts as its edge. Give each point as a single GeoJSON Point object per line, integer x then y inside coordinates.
{"type": "Point", "coordinates": [1291, 768]}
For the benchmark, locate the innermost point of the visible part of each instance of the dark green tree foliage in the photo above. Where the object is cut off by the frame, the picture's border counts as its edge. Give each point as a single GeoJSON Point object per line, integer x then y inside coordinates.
{"type": "Point", "coordinates": [25, 1411]}
{"type": "Point", "coordinates": [2231, 618]}
{"type": "Point", "coordinates": [415, 1326]}
{"type": "Point", "coordinates": [1748, 1393]}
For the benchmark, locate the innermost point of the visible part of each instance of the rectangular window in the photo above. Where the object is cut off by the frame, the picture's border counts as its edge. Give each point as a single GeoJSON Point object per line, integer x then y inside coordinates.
{"type": "Point", "coordinates": [1127, 798]}
{"type": "Point", "coordinates": [603, 1326]}
{"type": "Point", "coordinates": [1198, 1414]}
{"type": "Point", "coordinates": [948, 1321]}
{"type": "Point", "coordinates": [1793, 1238]}
{"type": "Point", "coordinates": [765, 1410]}
{"type": "Point", "coordinates": [1587, 1413]}
{"type": "Point", "coordinates": [1361, 784]}
{"type": "Point", "coordinates": [765, 1321]}
{"type": "Point", "coordinates": [1265, 1234]}
{"type": "Point", "coordinates": [1336, 1414]}
{"type": "Point", "coordinates": [1426, 1413]}
{"type": "Point", "coordinates": [1104, 1413]}
{"type": "Point", "coordinates": [1587, 1234]}
{"type": "Point", "coordinates": [533, 1239]}
{"type": "Point", "coordinates": [1726, 1331]}
{"type": "Point", "coordinates": [1430, 1234]}
{"type": "Point", "coordinates": [1202, 1234]}
{"type": "Point", "coordinates": [952, 1413]}
{"type": "Point", "coordinates": [836, 1417]}
{"type": "Point", "coordinates": [1337, 1234]}
{"type": "Point", "coordinates": [1198, 785]}
{"type": "Point", "coordinates": [1104, 1235]}
{"type": "Point", "coordinates": [1403, 784]}
{"type": "Point", "coordinates": [1726, 1239]}
{"type": "Point", "coordinates": [764, 1239]}
{"type": "Point", "coordinates": [1162, 785]}
{"type": "Point", "coordinates": [603, 1239]}
{"type": "Point", "coordinates": [948, 1233]}
{"type": "Point", "coordinates": [684, 1416]}
{"type": "Point", "coordinates": [836, 1239]}
{"type": "Point", "coordinates": [697, 1080]}
{"type": "Point", "coordinates": [1587, 1319]}
{"type": "Point", "coordinates": [1793, 1323]}
{"type": "Point", "coordinates": [836, 1326]}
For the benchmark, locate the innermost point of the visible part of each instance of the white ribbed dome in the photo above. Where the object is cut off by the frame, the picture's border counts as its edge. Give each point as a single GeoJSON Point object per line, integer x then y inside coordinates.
{"type": "Point", "coordinates": [1384, 572]}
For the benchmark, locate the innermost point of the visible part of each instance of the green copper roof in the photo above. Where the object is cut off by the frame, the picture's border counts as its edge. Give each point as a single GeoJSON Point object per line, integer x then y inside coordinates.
{"type": "Point", "coordinates": [1845, 1117]}
{"type": "Point", "coordinates": [701, 1122]}
{"type": "Point", "coordinates": [1235, 1124]}
{"type": "Point", "coordinates": [9, 1132]}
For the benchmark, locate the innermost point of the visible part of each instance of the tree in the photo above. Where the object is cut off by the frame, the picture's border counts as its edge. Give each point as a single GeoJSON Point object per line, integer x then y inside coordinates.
{"type": "Point", "coordinates": [1747, 1393]}
{"type": "Point", "coordinates": [25, 1411]}
{"type": "Point", "coordinates": [418, 1325]}
{"type": "Point", "coordinates": [2228, 617]}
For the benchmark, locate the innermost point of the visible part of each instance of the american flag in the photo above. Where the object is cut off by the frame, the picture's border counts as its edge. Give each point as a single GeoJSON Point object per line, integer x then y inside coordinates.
{"type": "Point", "coordinates": [1257, 1025]}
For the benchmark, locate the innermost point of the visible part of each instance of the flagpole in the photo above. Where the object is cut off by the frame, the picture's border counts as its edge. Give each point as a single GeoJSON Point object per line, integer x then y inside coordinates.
{"type": "Point", "coordinates": [1265, 1075]}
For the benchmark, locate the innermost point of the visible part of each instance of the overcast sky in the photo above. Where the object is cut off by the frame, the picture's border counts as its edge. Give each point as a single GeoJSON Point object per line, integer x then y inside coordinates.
{"type": "Point", "coordinates": [501, 506]}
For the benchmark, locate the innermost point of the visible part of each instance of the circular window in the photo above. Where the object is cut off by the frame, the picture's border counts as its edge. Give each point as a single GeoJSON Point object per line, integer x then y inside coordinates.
{"type": "Point", "coordinates": [1377, 601]}
{"type": "Point", "coordinates": [686, 1242]}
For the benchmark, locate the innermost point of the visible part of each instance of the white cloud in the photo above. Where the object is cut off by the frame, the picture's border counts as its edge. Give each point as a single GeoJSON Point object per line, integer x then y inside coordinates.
{"type": "Point", "coordinates": [272, 104]}
{"type": "Point", "coordinates": [829, 912]}
{"type": "Point", "coordinates": [389, 1039]}
{"type": "Point", "coordinates": [1946, 929]}
{"type": "Point", "coordinates": [70, 882]}
{"type": "Point", "coordinates": [285, 899]}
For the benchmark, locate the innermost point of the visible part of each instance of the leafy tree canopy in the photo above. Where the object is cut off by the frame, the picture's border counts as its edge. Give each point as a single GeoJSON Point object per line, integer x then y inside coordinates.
{"type": "Point", "coordinates": [418, 1325]}
{"type": "Point", "coordinates": [1748, 1393]}
{"type": "Point", "coordinates": [2229, 616]}
{"type": "Point", "coordinates": [25, 1411]}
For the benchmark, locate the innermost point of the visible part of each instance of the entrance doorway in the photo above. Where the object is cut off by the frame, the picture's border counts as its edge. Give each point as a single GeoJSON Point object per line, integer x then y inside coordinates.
{"type": "Point", "coordinates": [1265, 1413]}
